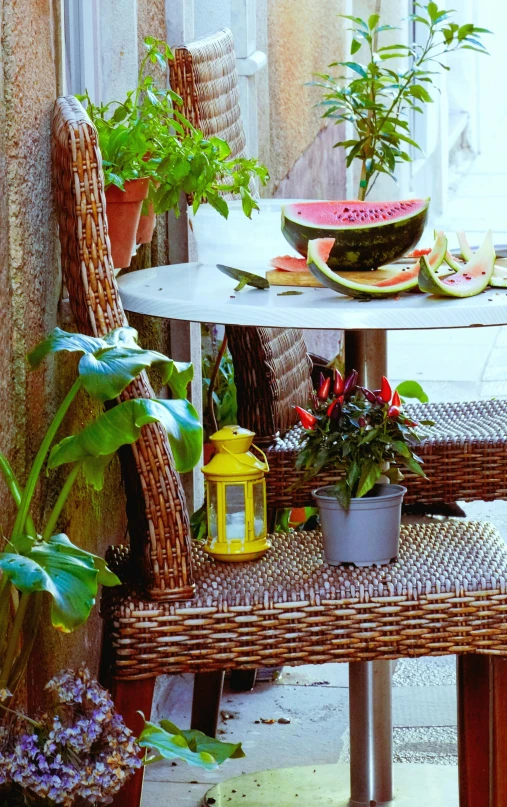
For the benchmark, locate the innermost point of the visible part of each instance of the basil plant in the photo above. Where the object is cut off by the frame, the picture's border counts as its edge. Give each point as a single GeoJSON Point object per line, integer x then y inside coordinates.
{"type": "Point", "coordinates": [37, 559]}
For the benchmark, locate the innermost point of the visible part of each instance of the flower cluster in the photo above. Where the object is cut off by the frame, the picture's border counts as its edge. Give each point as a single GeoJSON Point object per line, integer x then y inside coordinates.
{"type": "Point", "coordinates": [360, 432]}
{"type": "Point", "coordinates": [78, 753]}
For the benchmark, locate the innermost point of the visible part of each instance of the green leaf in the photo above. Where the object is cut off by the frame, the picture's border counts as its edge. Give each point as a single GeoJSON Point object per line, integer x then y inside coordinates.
{"type": "Point", "coordinates": [96, 444]}
{"type": "Point", "coordinates": [420, 93]}
{"type": "Point", "coordinates": [412, 389]}
{"type": "Point", "coordinates": [111, 363]}
{"type": "Point", "coordinates": [192, 747]}
{"type": "Point", "coordinates": [68, 573]}
{"type": "Point", "coordinates": [357, 68]}
{"type": "Point", "coordinates": [373, 20]}
{"type": "Point", "coordinates": [355, 46]}
{"type": "Point", "coordinates": [369, 475]}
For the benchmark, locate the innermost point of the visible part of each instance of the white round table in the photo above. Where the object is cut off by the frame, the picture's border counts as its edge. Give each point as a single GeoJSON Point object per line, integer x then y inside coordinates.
{"type": "Point", "coordinates": [199, 292]}
{"type": "Point", "coordinates": [196, 292]}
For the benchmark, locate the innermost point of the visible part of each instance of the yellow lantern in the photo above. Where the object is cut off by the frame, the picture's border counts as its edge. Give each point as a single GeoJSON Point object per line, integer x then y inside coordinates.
{"type": "Point", "coordinates": [236, 497]}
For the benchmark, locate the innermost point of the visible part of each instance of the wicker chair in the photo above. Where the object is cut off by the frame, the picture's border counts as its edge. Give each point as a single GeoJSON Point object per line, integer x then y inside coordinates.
{"type": "Point", "coordinates": [289, 608]}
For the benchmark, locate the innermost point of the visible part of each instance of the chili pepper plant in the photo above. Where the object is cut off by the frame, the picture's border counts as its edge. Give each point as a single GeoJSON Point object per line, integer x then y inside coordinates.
{"type": "Point", "coordinates": [362, 433]}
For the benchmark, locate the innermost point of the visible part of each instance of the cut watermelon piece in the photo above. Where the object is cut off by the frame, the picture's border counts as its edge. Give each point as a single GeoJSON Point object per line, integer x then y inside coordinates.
{"type": "Point", "coordinates": [286, 263]}
{"type": "Point", "coordinates": [366, 234]}
{"type": "Point", "coordinates": [499, 276]}
{"type": "Point", "coordinates": [384, 282]}
{"type": "Point", "coordinates": [471, 278]}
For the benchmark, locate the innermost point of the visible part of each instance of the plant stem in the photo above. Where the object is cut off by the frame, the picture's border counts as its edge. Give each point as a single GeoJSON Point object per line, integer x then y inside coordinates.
{"type": "Point", "coordinates": [5, 600]}
{"type": "Point", "coordinates": [60, 502]}
{"type": "Point", "coordinates": [29, 636]}
{"type": "Point", "coordinates": [14, 489]}
{"type": "Point", "coordinates": [12, 645]}
{"type": "Point", "coordinates": [26, 498]}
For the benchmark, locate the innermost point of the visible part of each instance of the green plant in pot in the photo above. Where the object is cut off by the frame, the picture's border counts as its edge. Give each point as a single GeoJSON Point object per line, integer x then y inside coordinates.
{"type": "Point", "coordinates": [375, 96]}
{"type": "Point", "coordinates": [360, 433]}
{"type": "Point", "coordinates": [151, 154]}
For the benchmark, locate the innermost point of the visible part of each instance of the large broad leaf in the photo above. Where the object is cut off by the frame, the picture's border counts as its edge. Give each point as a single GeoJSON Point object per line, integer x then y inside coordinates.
{"type": "Point", "coordinates": [191, 746]}
{"type": "Point", "coordinates": [68, 573]}
{"type": "Point", "coordinates": [110, 364]}
{"type": "Point", "coordinates": [99, 441]}
{"type": "Point", "coordinates": [412, 389]}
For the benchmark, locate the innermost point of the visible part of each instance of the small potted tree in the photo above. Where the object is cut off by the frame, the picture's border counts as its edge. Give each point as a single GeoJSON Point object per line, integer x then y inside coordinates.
{"type": "Point", "coordinates": [151, 154]}
{"type": "Point", "coordinates": [360, 433]}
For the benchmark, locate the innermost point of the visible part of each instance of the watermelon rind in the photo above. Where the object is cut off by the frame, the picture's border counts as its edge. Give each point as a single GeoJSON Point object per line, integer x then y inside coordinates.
{"type": "Point", "coordinates": [499, 276]}
{"type": "Point", "coordinates": [472, 279]}
{"type": "Point", "coordinates": [466, 252]}
{"type": "Point", "coordinates": [349, 284]}
{"type": "Point", "coordinates": [366, 245]}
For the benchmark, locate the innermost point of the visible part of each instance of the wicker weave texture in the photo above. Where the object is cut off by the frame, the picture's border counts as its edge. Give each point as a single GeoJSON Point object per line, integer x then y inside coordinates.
{"type": "Point", "coordinates": [272, 376]}
{"type": "Point", "coordinates": [465, 459]}
{"type": "Point", "coordinates": [160, 533]}
{"type": "Point", "coordinates": [204, 74]}
{"type": "Point", "coordinates": [447, 593]}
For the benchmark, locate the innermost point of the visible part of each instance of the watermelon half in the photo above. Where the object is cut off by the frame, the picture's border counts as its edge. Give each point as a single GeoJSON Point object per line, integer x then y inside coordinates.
{"type": "Point", "coordinates": [471, 279]}
{"type": "Point", "coordinates": [366, 235]}
{"type": "Point", "coordinates": [379, 283]}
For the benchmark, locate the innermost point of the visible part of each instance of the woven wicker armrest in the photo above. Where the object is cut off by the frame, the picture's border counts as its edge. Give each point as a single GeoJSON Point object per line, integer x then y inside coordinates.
{"type": "Point", "coordinates": [156, 509]}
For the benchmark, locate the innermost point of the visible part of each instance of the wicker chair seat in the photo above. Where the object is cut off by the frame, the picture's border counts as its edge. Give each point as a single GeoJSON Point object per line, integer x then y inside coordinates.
{"type": "Point", "coordinates": [465, 459]}
{"type": "Point", "coordinates": [446, 593]}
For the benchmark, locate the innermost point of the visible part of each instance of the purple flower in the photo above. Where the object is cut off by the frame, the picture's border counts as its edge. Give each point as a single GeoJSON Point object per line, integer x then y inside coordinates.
{"type": "Point", "coordinates": [80, 753]}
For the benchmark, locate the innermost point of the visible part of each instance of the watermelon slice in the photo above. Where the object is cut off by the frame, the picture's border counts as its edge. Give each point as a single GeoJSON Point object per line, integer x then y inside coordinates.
{"type": "Point", "coordinates": [471, 279]}
{"type": "Point", "coordinates": [384, 282]}
{"type": "Point", "coordinates": [366, 235]}
{"type": "Point", "coordinates": [286, 263]}
{"type": "Point", "coordinates": [499, 276]}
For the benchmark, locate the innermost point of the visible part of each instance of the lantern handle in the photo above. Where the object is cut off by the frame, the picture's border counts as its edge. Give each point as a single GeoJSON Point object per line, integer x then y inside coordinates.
{"type": "Point", "coordinates": [236, 457]}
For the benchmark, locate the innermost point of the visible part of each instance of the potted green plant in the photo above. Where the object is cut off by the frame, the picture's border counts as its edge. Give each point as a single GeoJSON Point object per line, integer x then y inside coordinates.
{"type": "Point", "coordinates": [151, 154]}
{"type": "Point", "coordinates": [376, 98]}
{"type": "Point", "coordinates": [361, 434]}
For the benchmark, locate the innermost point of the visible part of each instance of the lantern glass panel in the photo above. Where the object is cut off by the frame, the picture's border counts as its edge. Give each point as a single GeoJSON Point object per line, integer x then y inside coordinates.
{"type": "Point", "coordinates": [235, 516]}
{"type": "Point", "coordinates": [212, 510]}
{"type": "Point", "coordinates": [259, 509]}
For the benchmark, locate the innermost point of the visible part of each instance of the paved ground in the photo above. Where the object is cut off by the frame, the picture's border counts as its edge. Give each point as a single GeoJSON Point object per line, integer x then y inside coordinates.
{"type": "Point", "coordinates": [451, 365]}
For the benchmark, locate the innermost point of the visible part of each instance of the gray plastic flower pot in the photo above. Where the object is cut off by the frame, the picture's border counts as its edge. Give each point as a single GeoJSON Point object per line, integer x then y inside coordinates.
{"type": "Point", "coordinates": [368, 533]}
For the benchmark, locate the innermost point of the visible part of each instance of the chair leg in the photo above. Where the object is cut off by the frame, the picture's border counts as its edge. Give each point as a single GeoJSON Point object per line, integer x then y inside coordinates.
{"type": "Point", "coordinates": [208, 688]}
{"type": "Point", "coordinates": [473, 673]}
{"type": "Point", "coordinates": [243, 680]}
{"type": "Point", "coordinates": [131, 697]}
{"type": "Point", "coordinates": [482, 730]}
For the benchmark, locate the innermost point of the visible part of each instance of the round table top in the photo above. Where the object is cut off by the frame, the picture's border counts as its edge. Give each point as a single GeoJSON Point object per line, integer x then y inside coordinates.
{"type": "Point", "coordinates": [198, 292]}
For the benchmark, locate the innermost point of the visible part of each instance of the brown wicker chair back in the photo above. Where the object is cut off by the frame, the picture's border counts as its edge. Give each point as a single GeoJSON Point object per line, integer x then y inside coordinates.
{"type": "Point", "coordinates": [273, 362]}
{"type": "Point", "coordinates": [156, 509]}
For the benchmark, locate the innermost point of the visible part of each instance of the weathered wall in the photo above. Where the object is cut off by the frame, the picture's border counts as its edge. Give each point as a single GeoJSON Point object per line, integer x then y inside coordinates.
{"type": "Point", "coordinates": [29, 301]}
{"type": "Point", "coordinates": [300, 39]}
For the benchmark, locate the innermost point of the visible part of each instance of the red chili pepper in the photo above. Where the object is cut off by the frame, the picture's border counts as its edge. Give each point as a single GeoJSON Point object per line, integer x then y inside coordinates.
{"type": "Point", "coordinates": [396, 398]}
{"type": "Point", "coordinates": [379, 400]}
{"type": "Point", "coordinates": [332, 405]}
{"type": "Point", "coordinates": [336, 410]}
{"type": "Point", "coordinates": [350, 383]}
{"type": "Point", "coordinates": [368, 394]}
{"type": "Point", "coordinates": [338, 383]}
{"type": "Point", "coordinates": [323, 391]}
{"type": "Point", "coordinates": [362, 422]}
{"type": "Point", "coordinates": [393, 412]}
{"type": "Point", "coordinates": [385, 390]}
{"type": "Point", "coordinates": [308, 420]}
{"type": "Point", "coordinates": [411, 423]}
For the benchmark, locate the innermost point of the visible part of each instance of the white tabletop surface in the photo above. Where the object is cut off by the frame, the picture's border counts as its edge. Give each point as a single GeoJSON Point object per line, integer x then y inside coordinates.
{"type": "Point", "coordinates": [198, 292]}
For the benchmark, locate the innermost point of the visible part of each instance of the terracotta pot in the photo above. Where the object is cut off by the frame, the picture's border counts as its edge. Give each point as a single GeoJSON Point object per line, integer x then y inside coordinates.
{"type": "Point", "coordinates": [146, 226]}
{"type": "Point", "coordinates": [123, 209]}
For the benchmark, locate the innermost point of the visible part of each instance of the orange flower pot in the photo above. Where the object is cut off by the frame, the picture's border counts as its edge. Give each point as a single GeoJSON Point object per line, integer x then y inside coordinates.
{"type": "Point", "coordinates": [123, 209]}
{"type": "Point", "coordinates": [146, 226]}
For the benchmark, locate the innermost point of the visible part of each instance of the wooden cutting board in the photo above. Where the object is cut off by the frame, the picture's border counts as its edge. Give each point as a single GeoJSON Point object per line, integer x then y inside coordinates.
{"type": "Point", "coordinates": [278, 278]}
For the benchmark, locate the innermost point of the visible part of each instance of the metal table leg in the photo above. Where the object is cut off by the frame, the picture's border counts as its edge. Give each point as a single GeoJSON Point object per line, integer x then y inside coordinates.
{"type": "Point", "coordinates": [369, 778]}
